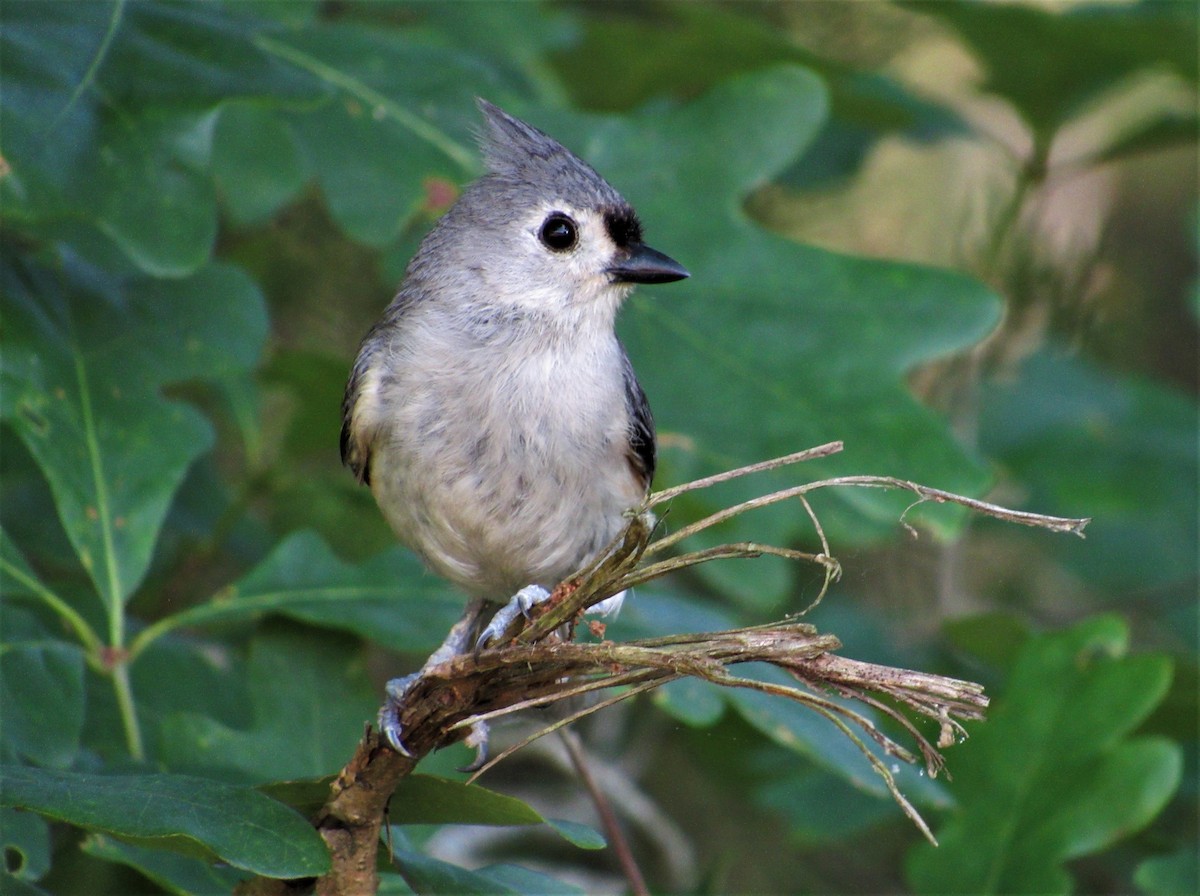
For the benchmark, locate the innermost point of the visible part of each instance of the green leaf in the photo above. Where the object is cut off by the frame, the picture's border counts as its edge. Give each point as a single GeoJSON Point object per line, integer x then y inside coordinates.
{"type": "Point", "coordinates": [687, 49]}
{"type": "Point", "coordinates": [256, 162]}
{"type": "Point", "coordinates": [310, 698]}
{"type": "Point", "coordinates": [423, 799]}
{"type": "Point", "coordinates": [1049, 62]}
{"type": "Point", "coordinates": [162, 214]}
{"type": "Point", "coordinates": [694, 702]}
{"type": "Point", "coordinates": [427, 875]}
{"type": "Point", "coordinates": [1169, 875]}
{"type": "Point", "coordinates": [996, 638]}
{"type": "Point", "coordinates": [49, 117]}
{"type": "Point", "coordinates": [819, 807]}
{"type": "Point", "coordinates": [1084, 441]}
{"type": "Point", "coordinates": [82, 376]}
{"type": "Point", "coordinates": [1053, 774]}
{"type": "Point", "coordinates": [405, 105]}
{"type": "Point", "coordinates": [750, 373]}
{"type": "Point", "coordinates": [426, 799]}
{"type": "Point", "coordinates": [109, 119]}
{"type": "Point", "coordinates": [173, 872]}
{"type": "Point", "coordinates": [577, 834]}
{"type": "Point", "coordinates": [15, 886]}
{"type": "Point", "coordinates": [236, 825]}
{"type": "Point", "coordinates": [306, 797]}
{"type": "Point", "coordinates": [16, 576]}
{"type": "Point", "coordinates": [810, 734]}
{"type": "Point", "coordinates": [199, 55]}
{"type": "Point", "coordinates": [390, 599]}
{"type": "Point", "coordinates": [41, 699]}
{"type": "Point", "coordinates": [25, 844]}
{"type": "Point", "coordinates": [650, 613]}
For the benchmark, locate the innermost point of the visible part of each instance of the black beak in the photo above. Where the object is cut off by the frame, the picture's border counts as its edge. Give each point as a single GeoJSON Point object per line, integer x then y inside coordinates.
{"type": "Point", "coordinates": [642, 264]}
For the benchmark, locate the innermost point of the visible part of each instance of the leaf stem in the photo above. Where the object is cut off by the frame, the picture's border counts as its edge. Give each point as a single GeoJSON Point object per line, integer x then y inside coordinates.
{"type": "Point", "coordinates": [361, 91]}
{"type": "Point", "coordinates": [127, 709]}
{"type": "Point", "coordinates": [222, 607]}
{"type": "Point", "coordinates": [84, 632]}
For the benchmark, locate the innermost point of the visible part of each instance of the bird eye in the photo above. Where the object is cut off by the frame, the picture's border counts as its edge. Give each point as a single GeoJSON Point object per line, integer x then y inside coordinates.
{"type": "Point", "coordinates": [559, 232]}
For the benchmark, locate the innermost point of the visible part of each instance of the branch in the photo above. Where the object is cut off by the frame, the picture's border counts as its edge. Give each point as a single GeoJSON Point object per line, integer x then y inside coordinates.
{"type": "Point", "coordinates": [537, 667]}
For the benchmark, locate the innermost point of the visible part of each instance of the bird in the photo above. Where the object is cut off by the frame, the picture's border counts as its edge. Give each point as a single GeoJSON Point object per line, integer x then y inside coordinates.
{"type": "Point", "coordinates": [491, 409]}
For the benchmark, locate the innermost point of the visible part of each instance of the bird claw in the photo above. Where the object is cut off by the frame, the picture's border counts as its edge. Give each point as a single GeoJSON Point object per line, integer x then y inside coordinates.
{"type": "Point", "coordinates": [477, 739]}
{"type": "Point", "coordinates": [389, 724]}
{"type": "Point", "coordinates": [389, 713]}
{"type": "Point", "coordinates": [518, 605]}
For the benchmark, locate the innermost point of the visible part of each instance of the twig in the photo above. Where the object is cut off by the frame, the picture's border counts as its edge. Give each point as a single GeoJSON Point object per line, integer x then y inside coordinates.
{"type": "Point", "coordinates": [538, 668]}
{"type": "Point", "coordinates": [762, 466]}
{"type": "Point", "coordinates": [608, 818]}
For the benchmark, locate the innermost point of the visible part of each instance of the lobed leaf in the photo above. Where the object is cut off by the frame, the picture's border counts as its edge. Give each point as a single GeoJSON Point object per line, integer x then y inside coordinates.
{"type": "Point", "coordinates": [309, 697]}
{"type": "Point", "coordinates": [1049, 63]}
{"type": "Point", "coordinates": [82, 379]}
{"type": "Point", "coordinates": [1054, 774]}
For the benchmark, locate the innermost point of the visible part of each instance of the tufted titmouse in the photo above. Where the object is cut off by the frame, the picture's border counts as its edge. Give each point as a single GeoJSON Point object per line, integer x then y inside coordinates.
{"type": "Point", "coordinates": [492, 410]}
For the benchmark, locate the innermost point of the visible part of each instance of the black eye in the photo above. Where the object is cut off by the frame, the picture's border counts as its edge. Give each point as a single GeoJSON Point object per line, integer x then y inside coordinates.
{"type": "Point", "coordinates": [559, 232]}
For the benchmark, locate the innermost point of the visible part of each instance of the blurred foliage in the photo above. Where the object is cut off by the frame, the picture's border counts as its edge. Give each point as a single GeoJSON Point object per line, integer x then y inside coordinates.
{"type": "Point", "coordinates": [206, 204]}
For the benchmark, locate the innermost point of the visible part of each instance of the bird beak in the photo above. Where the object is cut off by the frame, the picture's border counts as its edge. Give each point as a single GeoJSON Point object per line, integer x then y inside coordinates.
{"type": "Point", "coordinates": [641, 264]}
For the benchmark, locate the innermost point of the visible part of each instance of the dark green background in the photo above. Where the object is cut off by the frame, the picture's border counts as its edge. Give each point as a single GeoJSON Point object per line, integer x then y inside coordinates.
{"type": "Point", "coordinates": [206, 205]}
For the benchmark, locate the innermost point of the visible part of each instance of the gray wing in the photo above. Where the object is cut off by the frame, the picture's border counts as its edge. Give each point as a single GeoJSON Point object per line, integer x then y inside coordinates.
{"type": "Point", "coordinates": [356, 451]}
{"type": "Point", "coordinates": [642, 444]}
{"type": "Point", "coordinates": [358, 429]}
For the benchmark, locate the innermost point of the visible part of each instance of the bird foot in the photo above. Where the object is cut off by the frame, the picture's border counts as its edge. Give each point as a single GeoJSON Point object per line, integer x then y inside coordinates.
{"type": "Point", "coordinates": [389, 724]}
{"type": "Point", "coordinates": [518, 605]}
{"type": "Point", "coordinates": [389, 713]}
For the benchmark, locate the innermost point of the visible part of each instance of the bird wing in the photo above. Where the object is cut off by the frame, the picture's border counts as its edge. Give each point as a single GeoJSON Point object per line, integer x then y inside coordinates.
{"type": "Point", "coordinates": [360, 404]}
{"type": "Point", "coordinates": [642, 451]}
{"type": "Point", "coordinates": [356, 449]}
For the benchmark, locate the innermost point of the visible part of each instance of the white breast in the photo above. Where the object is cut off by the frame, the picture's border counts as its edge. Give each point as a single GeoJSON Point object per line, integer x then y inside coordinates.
{"type": "Point", "coordinates": [504, 466]}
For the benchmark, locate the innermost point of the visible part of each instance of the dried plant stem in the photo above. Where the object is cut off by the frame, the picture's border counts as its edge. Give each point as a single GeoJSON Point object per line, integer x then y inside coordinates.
{"type": "Point", "coordinates": [608, 818]}
{"type": "Point", "coordinates": [537, 668]}
{"type": "Point", "coordinates": [1073, 526]}
{"type": "Point", "coordinates": [762, 466]}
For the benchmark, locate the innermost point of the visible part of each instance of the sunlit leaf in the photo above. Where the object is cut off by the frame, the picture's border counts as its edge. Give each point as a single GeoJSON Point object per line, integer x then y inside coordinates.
{"type": "Point", "coordinates": [1049, 62]}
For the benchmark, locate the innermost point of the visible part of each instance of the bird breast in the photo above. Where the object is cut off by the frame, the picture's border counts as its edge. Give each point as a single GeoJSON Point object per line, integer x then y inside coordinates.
{"type": "Point", "coordinates": [504, 468]}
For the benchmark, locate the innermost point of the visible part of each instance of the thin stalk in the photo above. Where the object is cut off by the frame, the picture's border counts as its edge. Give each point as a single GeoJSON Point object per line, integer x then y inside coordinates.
{"type": "Point", "coordinates": [217, 608]}
{"type": "Point", "coordinates": [566, 720]}
{"type": "Point", "coordinates": [786, 460]}
{"type": "Point", "coordinates": [608, 818]}
{"type": "Point", "coordinates": [128, 711]}
{"type": "Point", "coordinates": [87, 636]}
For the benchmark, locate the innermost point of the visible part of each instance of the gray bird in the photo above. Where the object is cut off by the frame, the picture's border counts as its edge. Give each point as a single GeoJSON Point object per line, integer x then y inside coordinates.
{"type": "Point", "coordinates": [492, 410]}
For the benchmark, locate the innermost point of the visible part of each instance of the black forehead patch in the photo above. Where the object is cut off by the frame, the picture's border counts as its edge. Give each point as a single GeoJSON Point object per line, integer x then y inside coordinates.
{"type": "Point", "coordinates": [623, 226]}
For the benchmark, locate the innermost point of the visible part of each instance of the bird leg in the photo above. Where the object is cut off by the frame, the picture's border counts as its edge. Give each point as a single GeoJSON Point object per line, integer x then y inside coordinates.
{"type": "Point", "coordinates": [458, 641]}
